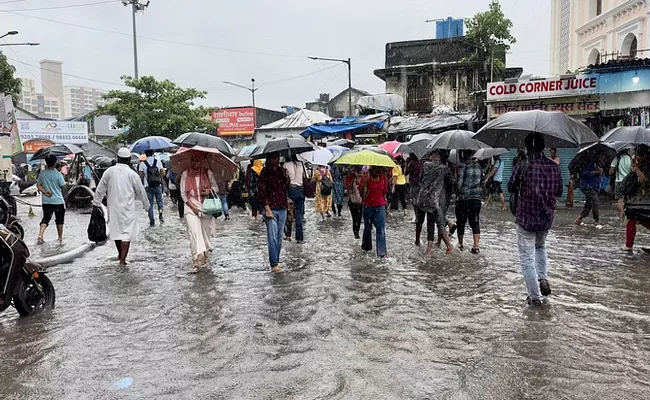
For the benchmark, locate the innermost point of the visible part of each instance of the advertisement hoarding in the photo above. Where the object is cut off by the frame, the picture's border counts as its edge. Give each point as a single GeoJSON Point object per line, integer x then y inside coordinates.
{"type": "Point", "coordinates": [235, 121]}
{"type": "Point", "coordinates": [59, 132]}
{"type": "Point", "coordinates": [543, 88]}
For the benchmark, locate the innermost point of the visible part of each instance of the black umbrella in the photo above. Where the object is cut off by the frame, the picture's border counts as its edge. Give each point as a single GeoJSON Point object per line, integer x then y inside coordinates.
{"type": "Point", "coordinates": [417, 145]}
{"type": "Point", "coordinates": [628, 134]}
{"type": "Point", "coordinates": [58, 150]}
{"type": "Point", "coordinates": [601, 153]}
{"type": "Point", "coordinates": [286, 147]}
{"type": "Point", "coordinates": [342, 142]}
{"type": "Point", "coordinates": [559, 130]}
{"type": "Point", "coordinates": [192, 139]}
{"type": "Point", "coordinates": [455, 140]}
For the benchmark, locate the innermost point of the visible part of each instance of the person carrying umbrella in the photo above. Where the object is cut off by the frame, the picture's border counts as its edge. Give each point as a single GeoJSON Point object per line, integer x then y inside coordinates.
{"type": "Point", "coordinates": [640, 167]}
{"type": "Point", "coordinates": [620, 168]}
{"type": "Point", "coordinates": [253, 174]}
{"type": "Point", "coordinates": [591, 176]}
{"type": "Point", "coordinates": [468, 203]}
{"type": "Point", "coordinates": [198, 183]}
{"type": "Point", "coordinates": [296, 173]}
{"type": "Point", "coordinates": [273, 190]}
{"type": "Point", "coordinates": [150, 171]}
{"type": "Point", "coordinates": [538, 184]}
{"type": "Point", "coordinates": [374, 189]}
{"type": "Point", "coordinates": [434, 177]}
{"type": "Point", "coordinates": [122, 187]}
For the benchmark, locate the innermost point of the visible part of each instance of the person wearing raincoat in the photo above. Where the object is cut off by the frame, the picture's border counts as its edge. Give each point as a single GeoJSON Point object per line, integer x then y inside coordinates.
{"type": "Point", "coordinates": [121, 186]}
{"type": "Point", "coordinates": [197, 183]}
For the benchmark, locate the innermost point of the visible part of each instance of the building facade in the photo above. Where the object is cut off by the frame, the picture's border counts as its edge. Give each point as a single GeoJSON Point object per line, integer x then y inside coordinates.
{"type": "Point", "coordinates": [433, 75]}
{"type": "Point", "coordinates": [43, 106]}
{"type": "Point", "coordinates": [80, 100]}
{"type": "Point", "coordinates": [591, 32]}
{"type": "Point", "coordinates": [338, 106]}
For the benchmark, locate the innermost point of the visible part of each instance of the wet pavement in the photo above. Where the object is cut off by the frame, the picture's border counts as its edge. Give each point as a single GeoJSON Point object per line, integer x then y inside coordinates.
{"type": "Point", "coordinates": [338, 324]}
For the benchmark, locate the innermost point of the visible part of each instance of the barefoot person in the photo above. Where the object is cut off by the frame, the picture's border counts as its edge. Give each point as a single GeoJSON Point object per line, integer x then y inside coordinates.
{"type": "Point", "coordinates": [122, 187]}
{"type": "Point", "coordinates": [49, 184]}
{"type": "Point", "coordinates": [434, 176]}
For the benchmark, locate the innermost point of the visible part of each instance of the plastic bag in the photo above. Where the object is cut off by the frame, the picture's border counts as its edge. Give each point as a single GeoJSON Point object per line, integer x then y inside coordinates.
{"type": "Point", "coordinates": [97, 226]}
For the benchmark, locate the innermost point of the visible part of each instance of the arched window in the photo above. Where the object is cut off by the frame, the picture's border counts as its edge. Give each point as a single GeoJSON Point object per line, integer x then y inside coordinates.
{"type": "Point", "coordinates": [594, 57]}
{"type": "Point", "coordinates": [629, 47]}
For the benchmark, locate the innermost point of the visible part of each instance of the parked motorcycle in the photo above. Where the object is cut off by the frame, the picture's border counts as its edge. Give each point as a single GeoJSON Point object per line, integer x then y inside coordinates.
{"type": "Point", "coordinates": [8, 210]}
{"type": "Point", "coordinates": [23, 284]}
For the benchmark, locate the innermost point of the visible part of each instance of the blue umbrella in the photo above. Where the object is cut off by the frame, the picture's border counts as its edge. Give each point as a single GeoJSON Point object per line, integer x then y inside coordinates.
{"type": "Point", "coordinates": [151, 143]}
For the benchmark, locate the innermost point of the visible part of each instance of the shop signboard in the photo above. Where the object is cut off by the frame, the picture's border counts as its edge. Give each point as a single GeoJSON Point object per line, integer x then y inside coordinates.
{"type": "Point", "coordinates": [578, 85]}
{"type": "Point", "coordinates": [235, 121]}
{"type": "Point", "coordinates": [59, 132]}
{"type": "Point", "coordinates": [570, 106]}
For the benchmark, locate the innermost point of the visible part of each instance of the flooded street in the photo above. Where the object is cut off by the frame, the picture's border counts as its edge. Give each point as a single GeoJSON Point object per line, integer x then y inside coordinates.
{"type": "Point", "coordinates": [338, 324]}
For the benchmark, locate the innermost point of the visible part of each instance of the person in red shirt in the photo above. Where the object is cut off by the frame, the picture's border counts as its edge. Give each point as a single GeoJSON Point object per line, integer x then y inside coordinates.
{"type": "Point", "coordinates": [374, 189]}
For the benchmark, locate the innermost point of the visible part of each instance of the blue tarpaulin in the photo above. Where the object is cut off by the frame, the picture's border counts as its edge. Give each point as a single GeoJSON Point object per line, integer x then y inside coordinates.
{"type": "Point", "coordinates": [319, 131]}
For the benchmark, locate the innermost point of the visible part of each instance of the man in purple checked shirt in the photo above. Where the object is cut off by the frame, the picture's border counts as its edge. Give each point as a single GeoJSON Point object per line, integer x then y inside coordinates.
{"type": "Point", "coordinates": [539, 184]}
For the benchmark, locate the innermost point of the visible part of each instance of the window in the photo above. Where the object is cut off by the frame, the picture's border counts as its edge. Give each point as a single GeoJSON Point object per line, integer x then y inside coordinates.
{"type": "Point", "coordinates": [599, 7]}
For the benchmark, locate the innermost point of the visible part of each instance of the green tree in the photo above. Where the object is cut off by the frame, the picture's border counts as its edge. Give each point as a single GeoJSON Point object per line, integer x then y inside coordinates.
{"type": "Point", "coordinates": [156, 108]}
{"type": "Point", "coordinates": [9, 84]}
{"type": "Point", "coordinates": [489, 33]}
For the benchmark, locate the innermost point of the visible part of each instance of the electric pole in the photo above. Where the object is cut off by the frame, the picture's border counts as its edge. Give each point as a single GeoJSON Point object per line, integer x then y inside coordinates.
{"type": "Point", "coordinates": [135, 6]}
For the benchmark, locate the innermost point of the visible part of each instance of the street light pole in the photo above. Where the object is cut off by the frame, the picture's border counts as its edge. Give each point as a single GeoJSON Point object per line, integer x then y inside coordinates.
{"type": "Point", "coordinates": [10, 33]}
{"type": "Point", "coordinates": [251, 89]}
{"type": "Point", "coordinates": [135, 7]}
{"type": "Point", "coordinates": [348, 62]}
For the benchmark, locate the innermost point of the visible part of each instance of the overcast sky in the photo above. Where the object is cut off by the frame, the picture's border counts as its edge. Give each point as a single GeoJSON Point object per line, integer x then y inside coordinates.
{"type": "Point", "coordinates": [271, 39]}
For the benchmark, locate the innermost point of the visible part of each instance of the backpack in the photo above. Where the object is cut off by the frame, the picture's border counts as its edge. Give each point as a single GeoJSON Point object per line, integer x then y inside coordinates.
{"type": "Point", "coordinates": [326, 186]}
{"type": "Point", "coordinates": [153, 174]}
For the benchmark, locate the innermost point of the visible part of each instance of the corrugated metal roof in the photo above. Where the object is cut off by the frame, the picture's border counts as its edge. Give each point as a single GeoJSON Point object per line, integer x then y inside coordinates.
{"type": "Point", "coordinates": [299, 119]}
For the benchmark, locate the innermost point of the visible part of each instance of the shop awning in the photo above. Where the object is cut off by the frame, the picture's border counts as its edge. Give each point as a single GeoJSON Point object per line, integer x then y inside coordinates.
{"type": "Point", "coordinates": [412, 125]}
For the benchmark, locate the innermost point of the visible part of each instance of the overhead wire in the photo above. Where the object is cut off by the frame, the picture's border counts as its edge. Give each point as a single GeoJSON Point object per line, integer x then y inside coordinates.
{"type": "Point", "coordinates": [62, 7]}
{"type": "Point", "coordinates": [63, 73]}
{"type": "Point", "coordinates": [202, 46]}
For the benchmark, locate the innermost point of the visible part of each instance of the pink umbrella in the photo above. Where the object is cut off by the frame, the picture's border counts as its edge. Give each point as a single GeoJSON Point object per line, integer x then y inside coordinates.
{"type": "Point", "coordinates": [221, 166]}
{"type": "Point", "coordinates": [390, 147]}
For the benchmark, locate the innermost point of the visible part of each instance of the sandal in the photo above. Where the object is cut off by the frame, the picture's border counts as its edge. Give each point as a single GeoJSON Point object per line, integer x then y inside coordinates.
{"type": "Point", "coordinates": [475, 250]}
{"type": "Point", "coordinates": [196, 269]}
{"type": "Point", "coordinates": [461, 247]}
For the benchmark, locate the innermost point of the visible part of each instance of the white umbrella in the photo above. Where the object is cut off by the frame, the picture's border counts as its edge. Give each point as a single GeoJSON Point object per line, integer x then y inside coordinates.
{"type": "Point", "coordinates": [318, 157]}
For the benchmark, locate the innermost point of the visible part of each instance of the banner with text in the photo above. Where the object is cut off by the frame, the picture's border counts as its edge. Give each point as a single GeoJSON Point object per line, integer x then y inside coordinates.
{"type": "Point", "coordinates": [543, 88]}
{"type": "Point", "coordinates": [60, 132]}
{"type": "Point", "coordinates": [235, 121]}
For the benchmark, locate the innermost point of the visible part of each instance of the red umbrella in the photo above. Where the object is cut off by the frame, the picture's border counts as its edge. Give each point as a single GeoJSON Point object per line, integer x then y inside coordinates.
{"type": "Point", "coordinates": [390, 147]}
{"type": "Point", "coordinates": [218, 163]}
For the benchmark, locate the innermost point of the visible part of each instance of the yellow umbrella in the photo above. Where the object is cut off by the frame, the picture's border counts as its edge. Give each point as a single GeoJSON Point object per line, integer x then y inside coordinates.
{"type": "Point", "coordinates": [366, 157]}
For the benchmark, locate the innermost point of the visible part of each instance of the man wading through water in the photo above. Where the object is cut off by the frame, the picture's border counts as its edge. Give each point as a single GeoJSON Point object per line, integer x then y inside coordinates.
{"type": "Point", "coordinates": [122, 187]}
{"type": "Point", "coordinates": [539, 184]}
{"type": "Point", "coordinates": [150, 173]}
{"type": "Point", "coordinates": [272, 192]}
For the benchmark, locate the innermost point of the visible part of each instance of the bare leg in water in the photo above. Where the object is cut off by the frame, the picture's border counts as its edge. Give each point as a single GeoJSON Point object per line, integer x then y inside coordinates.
{"type": "Point", "coordinates": [122, 251]}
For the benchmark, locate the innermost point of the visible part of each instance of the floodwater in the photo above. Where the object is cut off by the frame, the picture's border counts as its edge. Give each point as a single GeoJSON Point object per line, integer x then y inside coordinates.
{"type": "Point", "coordinates": [338, 324]}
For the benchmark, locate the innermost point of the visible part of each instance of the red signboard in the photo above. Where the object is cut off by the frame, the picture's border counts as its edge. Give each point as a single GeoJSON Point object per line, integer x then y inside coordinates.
{"type": "Point", "coordinates": [235, 121]}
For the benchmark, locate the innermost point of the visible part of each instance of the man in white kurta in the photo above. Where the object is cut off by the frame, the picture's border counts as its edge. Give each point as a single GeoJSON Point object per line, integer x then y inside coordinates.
{"type": "Point", "coordinates": [122, 187]}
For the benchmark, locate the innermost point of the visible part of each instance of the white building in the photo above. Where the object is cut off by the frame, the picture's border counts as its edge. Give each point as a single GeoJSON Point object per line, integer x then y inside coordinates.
{"type": "Point", "coordinates": [44, 106]}
{"type": "Point", "coordinates": [586, 32]}
{"type": "Point", "coordinates": [81, 100]}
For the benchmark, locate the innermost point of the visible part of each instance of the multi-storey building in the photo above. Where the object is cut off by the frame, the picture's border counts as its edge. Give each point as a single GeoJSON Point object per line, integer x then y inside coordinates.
{"type": "Point", "coordinates": [591, 32]}
{"type": "Point", "coordinates": [81, 100]}
{"type": "Point", "coordinates": [37, 103]}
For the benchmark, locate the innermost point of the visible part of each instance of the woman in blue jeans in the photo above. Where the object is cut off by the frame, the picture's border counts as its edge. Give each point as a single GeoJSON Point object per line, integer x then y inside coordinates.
{"type": "Point", "coordinates": [374, 189]}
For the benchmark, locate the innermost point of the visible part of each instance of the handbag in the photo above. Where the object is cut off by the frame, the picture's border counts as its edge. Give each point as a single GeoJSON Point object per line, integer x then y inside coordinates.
{"type": "Point", "coordinates": [638, 211]}
{"type": "Point", "coordinates": [212, 205]}
{"type": "Point", "coordinates": [630, 184]}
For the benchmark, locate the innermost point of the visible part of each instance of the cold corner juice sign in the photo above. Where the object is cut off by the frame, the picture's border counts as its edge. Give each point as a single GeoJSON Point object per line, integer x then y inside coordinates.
{"type": "Point", "coordinates": [59, 132]}
{"type": "Point", "coordinates": [543, 88]}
